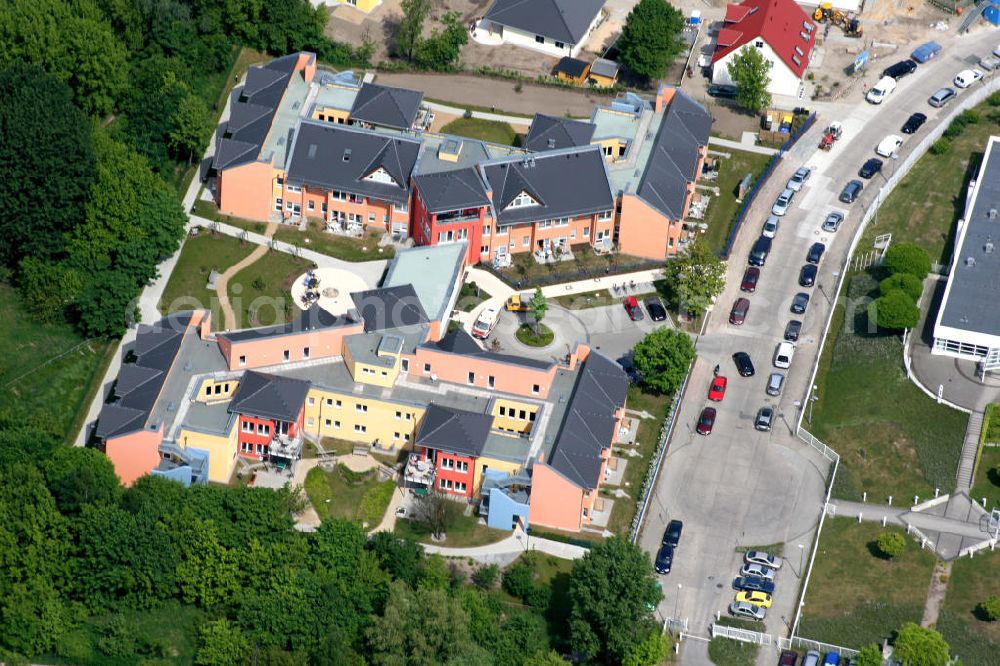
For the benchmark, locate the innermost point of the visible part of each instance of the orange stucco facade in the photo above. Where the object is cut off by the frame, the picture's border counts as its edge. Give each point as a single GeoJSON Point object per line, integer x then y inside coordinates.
{"type": "Point", "coordinates": [644, 231]}
{"type": "Point", "coordinates": [134, 454]}
{"type": "Point", "coordinates": [506, 377]}
{"type": "Point", "coordinates": [322, 343]}
{"type": "Point", "coordinates": [555, 501]}
{"type": "Point", "coordinates": [245, 190]}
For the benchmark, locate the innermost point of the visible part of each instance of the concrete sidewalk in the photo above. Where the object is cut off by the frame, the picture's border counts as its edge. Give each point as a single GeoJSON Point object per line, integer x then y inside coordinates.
{"type": "Point", "coordinates": [507, 550]}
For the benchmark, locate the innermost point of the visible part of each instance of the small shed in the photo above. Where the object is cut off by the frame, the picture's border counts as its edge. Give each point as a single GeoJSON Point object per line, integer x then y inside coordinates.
{"type": "Point", "coordinates": [571, 70]}
{"type": "Point", "coordinates": [603, 73]}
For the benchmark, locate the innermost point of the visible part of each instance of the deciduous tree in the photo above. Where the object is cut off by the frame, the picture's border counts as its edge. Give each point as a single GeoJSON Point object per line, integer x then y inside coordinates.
{"type": "Point", "coordinates": [190, 127]}
{"type": "Point", "coordinates": [423, 627]}
{"type": "Point", "coordinates": [750, 71]}
{"type": "Point", "coordinates": [440, 51]}
{"type": "Point", "coordinates": [695, 279]}
{"type": "Point", "coordinates": [919, 646]}
{"type": "Point", "coordinates": [891, 544]}
{"type": "Point", "coordinates": [894, 311]}
{"type": "Point", "coordinates": [222, 643]}
{"type": "Point", "coordinates": [990, 608]}
{"type": "Point", "coordinates": [436, 513]}
{"type": "Point", "coordinates": [651, 651]}
{"type": "Point", "coordinates": [663, 358]}
{"type": "Point", "coordinates": [539, 306]}
{"type": "Point", "coordinates": [908, 258]}
{"type": "Point", "coordinates": [411, 26]}
{"type": "Point", "coordinates": [870, 655]}
{"type": "Point", "coordinates": [907, 282]}
{"type": "Point", "coordinates": [78, 477]}
{"type": "Point", "coordinates": [651, 38]}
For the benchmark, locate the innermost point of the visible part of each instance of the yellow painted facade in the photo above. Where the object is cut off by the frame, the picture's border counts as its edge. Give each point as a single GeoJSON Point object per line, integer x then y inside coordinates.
{"type": "Point", "coordinates": [602, 81]}
{"type": "Point", "coordinates": [363, 5]}
{"type": "Point", "coordinates": [331, 114]}
{"type": "Point", "coordinates": [492, 463]}
{"type": "Point", "coordinates": [368, 373]}
{"type": "Point", "coordinates": [221, 451]}
{"type": "Point", "coordinates": [513, 416]}
{"type": "Point", "coordinates": [212, 390]}
{"type": "Point", "coordinates": [360, 419]}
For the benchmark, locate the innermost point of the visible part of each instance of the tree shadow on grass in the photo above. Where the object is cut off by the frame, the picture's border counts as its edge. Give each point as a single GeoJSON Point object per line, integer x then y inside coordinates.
{"type": "Point", "coordinates": [876, 552]}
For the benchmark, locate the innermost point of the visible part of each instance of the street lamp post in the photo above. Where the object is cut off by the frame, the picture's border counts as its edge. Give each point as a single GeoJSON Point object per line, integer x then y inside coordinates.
{"type": "Point", "coordinates": [802, 550]}
{"type": "Point", "coordinates": [812, 401]}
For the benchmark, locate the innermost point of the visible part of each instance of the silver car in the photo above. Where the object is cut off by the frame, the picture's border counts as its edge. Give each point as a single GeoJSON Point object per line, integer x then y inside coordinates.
{"type": "Point", "coordinates": [764, 417]}
{"type": "Point", "coordinates": [832, 221]}
{"type": "Point", "coordinates": [747, 610]}
{"type": "Point", "coordinates": [762, 558]}
{"type": "Point", "coordinates": [758, 570]}
{"type": "Point", "coordinates": [799, 178]}
{"type": "Point", "coordinates": [782, 203]}
{"type": "Point", "coordinates": [774, 383]}
{"type": "Point", "coordinates": [770, 226]}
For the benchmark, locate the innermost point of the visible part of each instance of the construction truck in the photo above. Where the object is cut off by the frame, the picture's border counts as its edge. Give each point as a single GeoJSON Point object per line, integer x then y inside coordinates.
{"type": "Point", "coordinates": [848, 21]}
{"type": "Point", "coordinates": [520, 302]}
{"type": "Point", "coordinates": [830, 136]}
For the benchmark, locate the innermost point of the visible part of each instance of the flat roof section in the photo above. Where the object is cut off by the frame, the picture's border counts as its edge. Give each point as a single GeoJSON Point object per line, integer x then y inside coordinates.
{"type": "Point", "coordinates": [432, 271]}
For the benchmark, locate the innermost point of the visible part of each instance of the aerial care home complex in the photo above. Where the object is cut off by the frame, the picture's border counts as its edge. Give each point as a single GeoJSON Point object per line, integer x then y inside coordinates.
{"type": "Point", "coordinates": [303, 142]}
{"type": "Point", "coordinates": [528, 440]}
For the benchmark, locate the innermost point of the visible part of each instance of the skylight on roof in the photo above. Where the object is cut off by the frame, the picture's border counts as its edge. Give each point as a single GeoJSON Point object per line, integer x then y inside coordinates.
{"type": "Point", "coordinates": [807, 26]}
{"type": "Point", "coordinates": [804, 36]}
{"type": "Point", "coordinates": [799, 51]}
{"type": "Point", "coordinates": [796, 60]}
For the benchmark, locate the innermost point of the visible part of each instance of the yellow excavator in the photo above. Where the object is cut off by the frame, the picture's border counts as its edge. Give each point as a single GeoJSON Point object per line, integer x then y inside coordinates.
{"type": "Point", "coordinates": [848, 21]}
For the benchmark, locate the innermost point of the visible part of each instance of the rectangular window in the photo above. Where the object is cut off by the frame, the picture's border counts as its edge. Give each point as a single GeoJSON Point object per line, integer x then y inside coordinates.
{"type": "Point", "coordinates": [281, 180]}
{"type": "Point", "coordinates": [539, 39]}
{"type": "Point", "coordinates": [503, 230]}
{"type": "Point", "coordinates": [399, 415]}
{"type": "Point", "coordinates": [208, 390]}
{"type": "Point", "coordinates": [260, 449]}
{"type": "Point", "coordinates": [427, 368]}
{"type": "Point", "coordinates": [329, 402]}
{"type": "Point", "coordinates": [305, 352]}
{"type": "Point", "coordinates": [472, 378]}
{"type": "Point", "coordinates": [295, 189]}
{"type": "Point", "coordinates": [560, 45]}
{"type": "Point", "coordinates": [535, 388]}
{"type": "Point", "coordinates": [545, 224]}
{"type": "Point", "coordinates": [338, 196]}
{"type": "Point", "coordinates": [360, 428]}
{"type": "Point", "coordinates": [572, 234]}
{"type": "Point", "coordinates": [461, 466]}
{"type": "Point", "coordinates": [443, 484]}
{"type": "Point", "coordinates": [339, 404]}
{"type": "Point", "coordinates": [288, 206]}
{"type": "Point", "coordinates": [395, 436]}
{"type": "Point", "coordinates": [323, 207]}
{"type": "Point", "coordinates": [406, 437]}
{"type": "Point", "coordinates": [586, 232]}
{"type": "Point", "coordinates": [491, 381]}
{"type": "Point", "coordinates": [447, 463]}
{"type": "Point", "coordinates": [531, 416]}
{"type": "Point", "coordinates": [310, 421]}
{"type": "Point", "coordinates": [503, 411]}
{"type": "Point", "coordinates": [525, 241]}
{"type": "Point", "coordinates": [243, 360]}
{"type": "Point", "coordinates": [310, 205]}
{"type": "Point", "coordinates": [460, 486]}
{"type": "Point", "coordinates": [247, 426]}
{"type": "Point", "coordinates": [604, 215]}
{"type": "Point", "coordinates": [404, 365]}
{"type": "Point", "coordinates": [277, 204]}
{"type": "Point", "coordinates": [285, 355]}
{"type": "Point", "coordinates": [360, 408]}
{"type": "Point", "coordinates": [486, 230]}
{"type": "Point", "coordinates": [312, 401]}
{"type": "Point", "coordinates": [521, 415]}
{"type": "Point", "coordinates": [327, 423]}
{"type": "Point", "coordinates": [484, 249]}
{"type": "Point", "coordinates": [336, 425]}
{"type": "Point", "coordinates": [371, 218]}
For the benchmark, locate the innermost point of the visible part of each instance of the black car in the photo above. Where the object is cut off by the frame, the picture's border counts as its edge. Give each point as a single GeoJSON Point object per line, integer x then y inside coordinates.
{"type": "Point", "coordinates": [655, 309]}
{"type": "Point", "coordinates": [800, 303]}
{"type": "Point", "coordinates": [807, 275]}
{"type": "Point", "coordinates": [754, 584]}
{"type": "Point", "coordinates": [664, 559]}
{"type": "Point", "coordinates": [900, 69]}
{"type": "Point", "coordinates": [758, 253]}
{"type": "Point", "coordinates": [913, 123]}
{"type": "Point", "coordinates": [792, 330]}
{"type": "Point", "coordinates": [815, 253]}
{"type": "Point", "coordinates": [672, 537]}
{"type": "Point", "coordinates": [851, 191]}
{"type": "Point", "coordinates": [722, 91]}
{"type": "Point", "coordinates": [743, 364]}
{"type": "Point", "coordinates": [870, 168]}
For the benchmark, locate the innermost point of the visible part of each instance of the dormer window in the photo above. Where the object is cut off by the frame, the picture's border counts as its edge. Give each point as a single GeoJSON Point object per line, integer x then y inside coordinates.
{"type": "Point", "coordinates": [380, 175]}
{"type": "Point", "coordinates": [521, 200]}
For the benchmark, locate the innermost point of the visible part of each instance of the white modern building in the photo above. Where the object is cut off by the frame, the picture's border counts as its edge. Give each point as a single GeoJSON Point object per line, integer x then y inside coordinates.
{"type": "Point", "coordinates": [968, 322]}
{"type": "Point", "coordinates": [555, 27]}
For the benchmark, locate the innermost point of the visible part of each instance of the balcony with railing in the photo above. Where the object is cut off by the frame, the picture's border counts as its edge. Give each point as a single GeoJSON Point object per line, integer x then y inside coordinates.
{"type": "Point", "coordinates": [285, 447]}
{"type": "Point", "coordinates": [419, 472]}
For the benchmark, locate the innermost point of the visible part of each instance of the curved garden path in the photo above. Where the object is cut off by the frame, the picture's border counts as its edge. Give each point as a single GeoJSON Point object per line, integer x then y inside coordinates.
{"type": "Point", "coordinates": [222, 284]}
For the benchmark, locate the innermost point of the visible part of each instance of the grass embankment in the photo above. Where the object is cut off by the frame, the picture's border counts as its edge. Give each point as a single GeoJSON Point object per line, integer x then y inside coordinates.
{"type": "Point", "coordinates": [485, 130]}
{"type": "Point", "coordinates": [722, 210]}
{"type": "Point", "coordinates": [343, 493]}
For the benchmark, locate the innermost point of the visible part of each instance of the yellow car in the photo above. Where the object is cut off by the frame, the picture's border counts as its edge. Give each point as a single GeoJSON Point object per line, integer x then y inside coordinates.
{"type": "Point", "coordinates": [755, 597]}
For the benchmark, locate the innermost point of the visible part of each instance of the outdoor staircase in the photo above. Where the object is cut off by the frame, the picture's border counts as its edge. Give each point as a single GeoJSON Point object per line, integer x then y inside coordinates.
{"type": "Point", "coordinates": [973, 15]}
{"type": "Point", "coordinates": [967, 463]}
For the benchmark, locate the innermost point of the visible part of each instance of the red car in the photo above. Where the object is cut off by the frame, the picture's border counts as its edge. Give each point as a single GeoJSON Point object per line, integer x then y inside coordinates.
{"type": "Point", "coordinates": [739, 312]}
{"type": "Point", "coordinates": [632, 308]}
{"type": "Point", "coordinates": [706, 421]}
{"type": "Point", "coordinates": [717, 391]}
{"type": "Point", "coordinates": [750, 278]}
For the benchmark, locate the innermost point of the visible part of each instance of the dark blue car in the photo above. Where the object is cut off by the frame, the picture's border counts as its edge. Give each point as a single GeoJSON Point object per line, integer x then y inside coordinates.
{"type": "Point", "coordinates": [925, 51]}
{"type": "Point", "coordinates": [754, 584]}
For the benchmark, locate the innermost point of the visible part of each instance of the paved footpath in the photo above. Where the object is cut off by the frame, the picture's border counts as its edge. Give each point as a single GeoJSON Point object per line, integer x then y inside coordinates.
{"type": "Point", "coordinates": [507, 550]}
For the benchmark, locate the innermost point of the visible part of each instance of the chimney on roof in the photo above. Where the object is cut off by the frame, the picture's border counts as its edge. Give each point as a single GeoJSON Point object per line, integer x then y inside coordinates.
{"type": "Point", "coordinates": [970, 261]}
{"type": "Point", "coordinates": [552, 143]}
{"type": "Point", "coordinates": [347, 154]}
{"type": "Point", "coordinates": [993, 213]}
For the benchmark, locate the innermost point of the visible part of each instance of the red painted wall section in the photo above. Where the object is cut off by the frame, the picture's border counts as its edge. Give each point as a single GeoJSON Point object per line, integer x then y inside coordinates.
{"type": "Point", "coordinates": [425, 227]}
{"type": "Point", "coordinates": [253, 438]}
{"type": "Point", "coordinates": [447, 472]}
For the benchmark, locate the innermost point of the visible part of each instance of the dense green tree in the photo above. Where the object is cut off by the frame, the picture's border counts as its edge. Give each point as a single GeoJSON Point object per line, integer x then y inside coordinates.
{"type": "Point", "coordinates": [651, 651]}
{"type": "Point", "coordinates": [485, 577]}
{"type": "Point", "coordinates": [288, 26]}
{"type": "Point", "coordinates": [908, 283]}
{"type": "Point", "coordinates": [400, 557]}
{"type": "Point", "coordinates": [411, 25]}
{"type": "Point", "coordinates": [35, 280]}
{"type": "Point", "coordinates": [106, 307]}
{"type": "Point", "coordinates": [98, 66]}
{"type": "Point", "coordinates": [894, 311]}
{"type": "Point", "coordinates": [990, 608]}
{"type": "Point", "coordinates": [154, 497]}
{"type": "Point", "coordinates": [222, 644]}
{"type": "Point", "coordinates": [891, 544]}
{"type": "Point", "coordinates": [440, 51]}
{"type": "Point", "coordinates": [420, 628]}
{"type": "Point", "coordinates": [120, 637]}
{"type": "Point", "coordinates": [611, 591]}
{"type": "Point", "coordinates": [24, 443]}
{"type": "Point", "coordinates": [207, 573]}
{"type": "Point", "coordinates": [920, 646]}
{"type": "Point", "coordinates": [436, 512]}
{"type": "Point", "coordinates": [538, 307]}
{"type": "Point", "coordinates": [651, 38]}
{"type": "Point", "coordinates": [191, 127]}
{"type": "Point", "coordinates": [908, 258]}
{"type": "Point", "coordinates": [47, 159]}
{"type": "Point", "coordinates": [663, 358]}
{"type": "Point", "coordinates": [550, 658]}
{"type": "Point", "coordinates": [695, 279]}
{"type": "Point", "coordinates": [870, 655]}
{"type": "Point", "coordinates": [518, 579]}
{"type": "Point", "coordinates": [33, 617]}
{"type": "Point", "coordinates": [78, 477]}
{"type": "Point", "coordinates": [750, 71]}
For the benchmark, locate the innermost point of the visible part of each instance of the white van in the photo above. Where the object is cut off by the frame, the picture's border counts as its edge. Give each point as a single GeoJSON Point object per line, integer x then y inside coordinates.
{"type": "Point", "coordinates": [783, 354]}
{"type": "Point", "coordinates": [881, 90]}
{"type": "Point", "coordinates": [486, 322]}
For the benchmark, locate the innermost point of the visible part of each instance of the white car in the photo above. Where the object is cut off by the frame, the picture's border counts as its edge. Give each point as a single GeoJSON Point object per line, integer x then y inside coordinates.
{"type": "Point", "coordinates": [760, 557]}
{"type": "Point", "coordinates": [881, 90]}
{"type": "Point", "coordinates": [799, 178]}
{"type": "Point", "coordinates": [758, 570]}
{"type": "Point", "coordinates": [889, 145]}
{"type": "Point", "coordinates": [782, 203]}
{"type": "Point", "coordinates": [770, 226]}
{"type": "Point", "coordinates": [967, 77]}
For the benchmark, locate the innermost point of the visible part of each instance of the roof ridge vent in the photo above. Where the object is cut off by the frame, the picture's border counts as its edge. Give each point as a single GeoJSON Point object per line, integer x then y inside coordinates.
{"type": "Point", "coordinates": [347, 155]}
{"type": "Point", "coordinates": [988, 247]}
{"type": "Point", "coordinates": [992, 214]}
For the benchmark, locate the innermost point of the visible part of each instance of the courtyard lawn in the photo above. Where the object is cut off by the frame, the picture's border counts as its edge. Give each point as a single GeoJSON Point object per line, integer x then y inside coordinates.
{"type": "Point", "coordinates": [470, 296]}
{"type": "Point", "coordinates": [892, 438]}
{"type": "Point", "coordinates": [48, 373]}
{"type": "Point", "coordinates": [537, 335]}
{"type": "Point", "coordinates": [987, 481]}
{"type": "Point", "coordinates": [201, 254]}
{"type": "Point", "coordinates": [260, 293]}
{"type": "Point", "coordinates": [343, 493]}
{"type": "Point", "coordinates": [722, 210]}
{"type": "Point", "coordinates": [467, 531]}
{"type": "Point", "coordinates": [972, 637]}
{"type": "Point", "coordinates": [855, 596]}
{"type": "Point", "coordinates": [486, 130]}
{"type": "Point", "coordinates": [585, 263]}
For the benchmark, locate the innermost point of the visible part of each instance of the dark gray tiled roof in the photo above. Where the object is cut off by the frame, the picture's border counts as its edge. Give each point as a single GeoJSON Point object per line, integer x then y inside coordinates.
{"type": "Point", "coordinates": [386, 106]}
{"type": "Point", "coordinates": [552, 132]}
{"type": "Point", "coordinates": [312, 319]}
{"type": "Point", "coordinates": [454, 430]}
{"type": "Point", "coordinates": [562, 20]}
{"type": "Point", "coordinates": [589, 423]}
{"type": "Point", "coordinates": [251, 111]}
{"type": "Point", "coordinates": [451, 190]}
{"type": "Point", "coordinates": [139, 383]}
{"type": "Point", "coordinates": [565, 183]}
{"type": "Point", "coordinates": [389, 307]}
{"type": "Point", "coordinates": [571, 66]}
{"type": "Point", "coordinates": [674, 157]}
{"type": "Point", "coordinates": [269, 396]}
{"type": "Point", "coordinates": [340, 158]}
{"type": "Point", "coordinates": [458, 341]}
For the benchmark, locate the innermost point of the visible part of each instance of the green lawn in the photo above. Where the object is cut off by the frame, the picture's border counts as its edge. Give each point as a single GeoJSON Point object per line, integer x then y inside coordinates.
{"type": "Point", "coordinates": [987, 481]}
{"type": "Point", "coordinates": [201, 255]}
{"type": "Point", "coordinates": [470, 296]}
{"type": "Point", "coordinates": [48, 373]}
{"type": "Point", "coordinates": [584, 263]}
{"type": "Point", "coordinates": [722, 210]}
{"type": "Point", "coordinates": [856, 597]}
{"type": "Point", "coordinates": [486, 130]}
{"type": "Point", "coordinates": [260, 293]}
{"type": "Point", "coordinates": [729, 652]}
{"type": "Point", "coordinates": [467, 531]}
{"type": "Point", "coordinates": [892, 438]}
{"type": "Point", "coordinates": [528, 335]}
{"type": "Point", "coordinates": [343, 493]}
{"type": "Point", "coordinates": [972, 581]}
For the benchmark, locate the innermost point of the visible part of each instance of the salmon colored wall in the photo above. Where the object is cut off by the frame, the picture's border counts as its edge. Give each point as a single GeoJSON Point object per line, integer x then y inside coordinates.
{"type": "Point", "coordinates": [508, 378]}
{"type": "Point", "coordinates": [135, 454]}
{"type": "Point", "coordinates": [555, 501]}
{"type": "Point", "coordinates": [322, 343]}
{"type": "Point", "coordinates": [643, 231]}
{"type": "Point", "coordinates": [245, 191]}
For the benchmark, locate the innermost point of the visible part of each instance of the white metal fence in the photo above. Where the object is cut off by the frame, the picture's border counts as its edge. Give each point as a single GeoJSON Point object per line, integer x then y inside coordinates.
{"type": "Point", "coordinates": [797, 642]}
{"type": "Point", "coordinates": [744, 635]}
{"type": "Point", "coordinates": [811, 440]}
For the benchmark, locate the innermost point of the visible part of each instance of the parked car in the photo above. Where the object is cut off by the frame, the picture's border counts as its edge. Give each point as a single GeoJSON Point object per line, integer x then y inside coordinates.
{"type": "Point", "coordinates": [758, 253]}
{"type": "Point", "coordinates": [722, 91]}
{"type": "Point", "coordinates": [743, 364]}
{"type": "Point", "coordinates": [770, 229]}
{"type": "Point", "coordinates": [941, 97]}
{"type": "Point", "coordinates": [792, 330]}
{"type": "Point", "coordinates": [851, 191]}
{"type": "Point", "coordinates": [632, 308]}
{"type": "Point", "coordinates": [788, 658]}
{"type": "Point", "coordinates": [815, 252]}
{"type": "Point", "coordinates": [913, 123]}
{"type": "Point", "coordinates": [967, 77]}
{"type": "Point", "coordinates": [989, 63]}
{"type": "Point", "coordinates": [747, 611]}
{"type": "Point", "coordinates": [753, 583]}
{"type": "Point", "coordinates": [750, 277]}
{"type": "Point", "coordinates": [655, 309]}
{"type": "Point", "coordinates": [831, 659]}
{"type": "Point", "coordinates": [755, 597]}
{"type": "Point", "coordinates": [799, 178]}
{"type": "Point", "coordinates": [870, 168]}
{"type": "Point", "coordinates": [664, 559]}
{"type": "Point", "coordinates": [717, 391]}
{"type": "Point", "coordinates": [925, 52]}
{"type": "Point", "coordinates": [763, 419]}
{"type": "Point", "coordinates": [882, 89]}
{"type": "Point", "coordinates": [774, 384]}
{"type": "Point", "coordinates": [811, 658]}
{"type": "Point", "coordinates": [762, 558]}
{"type": "Point", "coordinates": [807, 275]}
{"type": "Point", "coordinates": [783, 353]}
{"type": "Point", "coordinates": [739, 312]}
{"type": "Point", "coordinates": [900, 69]}
{"type": "Point", "coordinates": [832, 221]}
{"type": "Point", "coordinates": [706, 421]}
{"type": "Point", "coordinates": [783, 201]}
{"type": "Point", "coordinates": [800, 302]}
{"type": "Point", "coordinates": [757, 571]}
{"type": "Point", "coordinates": [672, 535]}
{"type": "Point", "coordinates": [888, 146]}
